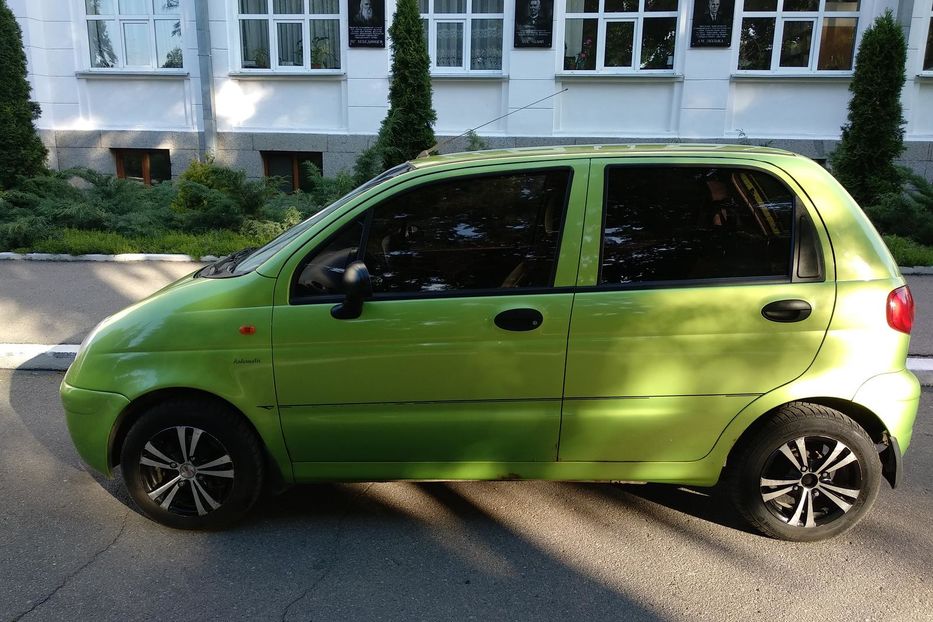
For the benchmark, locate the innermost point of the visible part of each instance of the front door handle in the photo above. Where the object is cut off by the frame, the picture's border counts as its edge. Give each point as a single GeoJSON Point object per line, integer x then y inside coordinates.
{"type": "Point", "coordinates": [787, 311]}
{"type": "Point", "coordinates": [519, 319]}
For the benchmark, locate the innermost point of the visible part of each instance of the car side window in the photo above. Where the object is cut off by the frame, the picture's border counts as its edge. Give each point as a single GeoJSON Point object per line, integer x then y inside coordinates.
{"type": "Point", "coordinates": [484, 232]}
{"type": "Point", "coordinates": [687, 223]}
{"type": "Point", "coordinates": [321, 272]}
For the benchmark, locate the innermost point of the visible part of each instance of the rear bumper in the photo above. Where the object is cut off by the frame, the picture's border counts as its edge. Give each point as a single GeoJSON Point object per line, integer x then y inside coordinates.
{"type": "Point", "coordinates": [91, 416]}
{"type": "Point", "coordinates": [894, 398]}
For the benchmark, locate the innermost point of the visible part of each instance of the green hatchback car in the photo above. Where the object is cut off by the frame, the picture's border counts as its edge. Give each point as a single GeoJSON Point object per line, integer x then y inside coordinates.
{"type": "Point", "coordinates": [647, 313]}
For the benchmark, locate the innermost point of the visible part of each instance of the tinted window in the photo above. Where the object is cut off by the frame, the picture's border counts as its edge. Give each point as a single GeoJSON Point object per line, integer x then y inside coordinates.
{"type": "Point", "coordinates": [675, 223]}
{"type": "Point", "coordinates": [321, 273]}
{"type": "Point", "coordinates": [486, 232]}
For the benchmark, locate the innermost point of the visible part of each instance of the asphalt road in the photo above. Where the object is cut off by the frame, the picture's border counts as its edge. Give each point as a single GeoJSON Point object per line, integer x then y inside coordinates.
{"type": "Point", "coordinates": [71, 548]}
{"type": "Point", "coordinates": [57, 302]}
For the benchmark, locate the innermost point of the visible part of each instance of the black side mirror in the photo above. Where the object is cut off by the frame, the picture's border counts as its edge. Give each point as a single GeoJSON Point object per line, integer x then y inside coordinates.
{"type": "Point", "coordinates": [357, 288]}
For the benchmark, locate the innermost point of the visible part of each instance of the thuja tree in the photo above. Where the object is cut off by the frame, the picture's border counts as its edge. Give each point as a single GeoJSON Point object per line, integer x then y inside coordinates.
{"type": "Point", "coordinates": [873, 137]}
{"type": "Point", "coordinates": [21, 152]}
{"type": "Point", "coordinates": [407, 129]}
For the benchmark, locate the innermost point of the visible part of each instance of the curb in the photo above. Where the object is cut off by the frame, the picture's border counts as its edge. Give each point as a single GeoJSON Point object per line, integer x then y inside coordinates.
{"type": "Point", "coordinates": [38, 357]}
{"type": "Point", "coordinates": [121, 258]}
{"type": "Point", "coordinates": [32, 356]}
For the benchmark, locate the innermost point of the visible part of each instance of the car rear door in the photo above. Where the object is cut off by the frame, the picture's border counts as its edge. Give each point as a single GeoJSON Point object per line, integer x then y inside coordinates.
{"type": "Point", "coordinates": [701, 287]}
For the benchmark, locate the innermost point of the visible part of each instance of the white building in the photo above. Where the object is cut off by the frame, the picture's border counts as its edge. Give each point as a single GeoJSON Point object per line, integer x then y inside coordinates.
{"type": "Point", "coordinates": [140, 87]}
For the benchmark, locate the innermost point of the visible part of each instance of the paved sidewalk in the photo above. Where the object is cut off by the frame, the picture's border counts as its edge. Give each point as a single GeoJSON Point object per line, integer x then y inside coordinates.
{"type": "Point", "coordinates": [43, 302]}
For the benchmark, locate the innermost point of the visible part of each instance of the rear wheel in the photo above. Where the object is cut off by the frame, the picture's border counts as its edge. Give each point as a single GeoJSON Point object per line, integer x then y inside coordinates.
{"type": "Point", "coordinates": [808, 474]}
{"type": "Point", "coordinates": [192, 465]}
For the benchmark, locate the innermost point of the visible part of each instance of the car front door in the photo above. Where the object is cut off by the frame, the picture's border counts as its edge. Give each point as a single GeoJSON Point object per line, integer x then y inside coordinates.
{"type": "Point", "coordinates": [459, 355]}
{"type": "Point", "coordinates": [701, 287]}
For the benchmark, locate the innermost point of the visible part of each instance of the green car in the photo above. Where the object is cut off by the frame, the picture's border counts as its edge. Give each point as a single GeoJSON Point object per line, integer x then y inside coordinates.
{"type": "Point", "coordinates": [682, 314]}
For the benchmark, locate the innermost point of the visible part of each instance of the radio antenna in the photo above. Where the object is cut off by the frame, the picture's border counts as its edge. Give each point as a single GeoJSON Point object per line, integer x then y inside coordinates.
{"type": "Point", "coordinates": [428, 152]}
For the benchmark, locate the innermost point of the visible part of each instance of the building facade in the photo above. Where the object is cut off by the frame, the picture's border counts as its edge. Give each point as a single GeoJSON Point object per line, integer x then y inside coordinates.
{"type": "Point", "coordinates": [142, 87]}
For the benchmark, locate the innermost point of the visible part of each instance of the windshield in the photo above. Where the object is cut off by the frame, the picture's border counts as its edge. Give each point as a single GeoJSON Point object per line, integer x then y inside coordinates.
{"type": "Point", "coordinates": [259, 256]}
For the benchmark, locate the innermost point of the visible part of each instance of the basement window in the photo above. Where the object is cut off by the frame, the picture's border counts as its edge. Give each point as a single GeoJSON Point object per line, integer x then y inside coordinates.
{"type": "Point", "coordinates": [292, 167]}
{"type": "Point", "coordinates": [147, 166]}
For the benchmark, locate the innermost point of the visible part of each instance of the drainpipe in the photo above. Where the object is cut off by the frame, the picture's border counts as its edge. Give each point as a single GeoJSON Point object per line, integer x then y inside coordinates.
{"type": "Point", "coordinates": [207, 138]}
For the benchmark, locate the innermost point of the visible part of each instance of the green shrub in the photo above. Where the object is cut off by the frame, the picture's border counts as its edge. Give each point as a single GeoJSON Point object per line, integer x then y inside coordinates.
{"type": "Point", "coordinates": [909, 253]}
{"type": "Point", "coordinates": [17, 199]}
{"type": "Point", "coordinates": [74, 214]}
{"type": "Point", "coordinates": [873, 136]}
{"type": "Point", "coordinates": [475, 142]}
{"type": "Point", "coordinates": [408, 128]}
{"type": "Point", "coordinates": [249, 196]}
{"type": "Point", "coordinates": [50, 187]}
{"type": "Point", "coordinates": [262, 229]}
{"type": "Point", "coordinates": [23, 232]}
{"type": "Point", "coordinates": [77, 242]}
{"type": "Point", "coordinates": [201, 208]}
{"type": "Point", "coordinates": [326, 190]}
{"type": "Point", "coordinates": [368, 165]}
{"type": "Point", "coordinates": [908, 213]}
{"type": "Point", "coordinates": [21, 152]}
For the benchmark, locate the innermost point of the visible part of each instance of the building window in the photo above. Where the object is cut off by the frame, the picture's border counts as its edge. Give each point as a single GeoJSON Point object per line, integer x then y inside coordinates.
{"type": "Point", "coordinates": [292, 167]}
{"type": "Point", "coordinates": [620, 35]}
{"type": "Point", "coordinates": [463, 35]}
{"type": "Point", "coordinates": [798, 35]}
{"type": "Point", "coordinates": [928, 57]}
{"type": "Point", "coordinates": [289, 35]}
{"type": "Point", "coordinates": [143, 165]}
{"type": "Point", "coordinates": [134, 34]}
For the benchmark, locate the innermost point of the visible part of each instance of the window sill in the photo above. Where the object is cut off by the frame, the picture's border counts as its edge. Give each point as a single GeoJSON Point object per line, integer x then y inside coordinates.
{"type": "Point", "coordinates": [924, 77]}
{"type": "Point", "coordinates": [622, 77]}
{"type": "Point", "coordinates": [470, 76]}
{"type": "Point", "coordinates": [791, 77]}
{"type": "Point", "coordinates": [317, 74]}
{"type": "Point", "coordinates": [119, 74]}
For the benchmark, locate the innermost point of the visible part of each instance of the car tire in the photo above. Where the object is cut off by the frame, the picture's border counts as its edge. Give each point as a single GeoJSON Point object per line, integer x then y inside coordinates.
{"type": "Point", "coordinates": [816, 497]}
{"type": "Point", "coordinates": [192, 464]}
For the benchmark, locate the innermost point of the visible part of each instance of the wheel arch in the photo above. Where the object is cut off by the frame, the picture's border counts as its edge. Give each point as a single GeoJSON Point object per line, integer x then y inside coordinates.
{"type": "Point", "coordinates": [145, 401]}
{"type": "Point", "coordinates": [864, 417]}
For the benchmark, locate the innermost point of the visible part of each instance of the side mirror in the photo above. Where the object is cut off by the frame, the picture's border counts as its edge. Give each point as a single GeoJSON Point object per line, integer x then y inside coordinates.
{"type": "Point", "coordinates": [357, 288]}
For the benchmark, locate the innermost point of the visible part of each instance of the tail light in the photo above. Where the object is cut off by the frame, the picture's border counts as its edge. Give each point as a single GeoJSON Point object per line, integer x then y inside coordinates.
{"type": "Point", "coordinates": [901, 309]}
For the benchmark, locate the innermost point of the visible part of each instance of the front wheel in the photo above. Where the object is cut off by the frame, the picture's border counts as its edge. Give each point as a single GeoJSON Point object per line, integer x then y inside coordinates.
{"type": "Point", "coordinates": [809, 473]}
{"type": "Point", "coordinates": [192, 465]}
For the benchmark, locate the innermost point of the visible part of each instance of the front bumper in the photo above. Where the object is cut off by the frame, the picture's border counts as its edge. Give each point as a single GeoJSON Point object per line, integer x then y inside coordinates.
{"type": "Point", "coordinates": [91, 417]}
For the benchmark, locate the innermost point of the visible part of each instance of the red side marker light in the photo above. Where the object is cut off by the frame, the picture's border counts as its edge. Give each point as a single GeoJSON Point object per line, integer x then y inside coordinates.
{"type": "Point", "coordinates": [249, 329]}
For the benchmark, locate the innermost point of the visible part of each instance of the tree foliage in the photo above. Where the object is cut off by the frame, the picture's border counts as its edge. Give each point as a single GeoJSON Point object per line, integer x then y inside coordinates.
{"type": "Point", "coordinates": [408, 128]}
{"type": "Point", "coordinates": [21, 152]}
{"type": "Point", "coordinates": [873, 137]}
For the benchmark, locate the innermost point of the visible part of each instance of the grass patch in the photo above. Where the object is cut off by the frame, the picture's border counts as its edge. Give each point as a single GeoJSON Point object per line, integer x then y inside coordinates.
{"type": "Point", "coordinates": [80, 242]}
{"type": "Point", "coordinates": [909, 253]}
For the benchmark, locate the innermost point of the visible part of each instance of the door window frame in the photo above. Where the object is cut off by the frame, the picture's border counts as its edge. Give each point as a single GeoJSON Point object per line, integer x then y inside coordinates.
{"type": "Point", "coordinates": [802, 209]}
{"type": "Point", "coordinates": [440, 177]}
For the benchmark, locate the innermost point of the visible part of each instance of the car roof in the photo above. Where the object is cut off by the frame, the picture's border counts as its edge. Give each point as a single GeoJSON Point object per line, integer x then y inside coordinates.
{"type": "Point", "coordinates": [584, 151]}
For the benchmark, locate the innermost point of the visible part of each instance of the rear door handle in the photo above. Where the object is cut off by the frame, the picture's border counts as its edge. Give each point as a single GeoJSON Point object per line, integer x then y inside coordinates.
{"type": "Point", "coordinates": [519, 319]}
{"type": "Point", "coordinates": [787, 311]}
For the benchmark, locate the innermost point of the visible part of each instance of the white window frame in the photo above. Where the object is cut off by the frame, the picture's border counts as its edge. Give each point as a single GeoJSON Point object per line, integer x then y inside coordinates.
{"type": "Point", "coordinates": [466, 19]}
{"type": "Point", "coordinates": [781, 16]}
{"type": "Point", "coordinates": [119, 20]}
{"type": "Point", "coordinates": [604, 17]}
{"type": "Point", "coordinates": [927, 16]}
{"type": "Point", "coordinates": [272, 20]}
